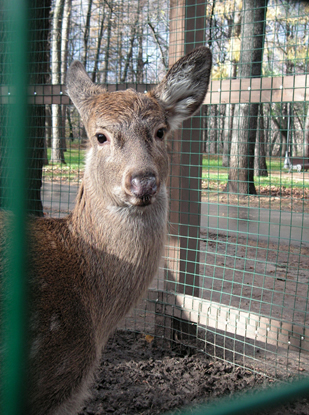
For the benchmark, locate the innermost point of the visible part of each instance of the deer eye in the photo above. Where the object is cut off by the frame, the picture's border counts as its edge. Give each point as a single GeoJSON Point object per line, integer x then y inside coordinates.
{"type": "Point", "coordinates": [160, 133]}
{"type": "Point", "coordinates": [102, 138]}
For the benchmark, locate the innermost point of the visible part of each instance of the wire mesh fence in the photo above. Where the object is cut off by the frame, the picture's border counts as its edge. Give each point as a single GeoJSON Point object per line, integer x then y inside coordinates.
{"type": "Point", "coordinates": [234, 276]}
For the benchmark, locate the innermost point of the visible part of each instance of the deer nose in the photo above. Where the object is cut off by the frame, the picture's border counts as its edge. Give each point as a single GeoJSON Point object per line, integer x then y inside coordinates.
{"type": "Point", "coordinates": [144, 186]}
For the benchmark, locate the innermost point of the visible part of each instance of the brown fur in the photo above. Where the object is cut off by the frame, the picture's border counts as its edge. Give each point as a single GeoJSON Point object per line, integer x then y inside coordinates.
{"type": "Point", "coordinates": [90, 268]}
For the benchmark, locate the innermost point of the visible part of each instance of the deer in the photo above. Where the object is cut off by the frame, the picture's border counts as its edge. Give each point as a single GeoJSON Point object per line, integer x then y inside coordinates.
{"type": "Point", "coordinates": [88, 269]}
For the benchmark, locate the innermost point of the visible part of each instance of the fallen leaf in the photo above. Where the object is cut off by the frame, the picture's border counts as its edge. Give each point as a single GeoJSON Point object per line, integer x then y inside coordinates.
{"type": "Point", "coordinates": [149, 338]}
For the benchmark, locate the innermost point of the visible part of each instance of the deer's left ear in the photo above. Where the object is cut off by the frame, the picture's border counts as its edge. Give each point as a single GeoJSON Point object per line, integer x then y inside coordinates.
{"type": "Point", "coordinates": [184, 87]}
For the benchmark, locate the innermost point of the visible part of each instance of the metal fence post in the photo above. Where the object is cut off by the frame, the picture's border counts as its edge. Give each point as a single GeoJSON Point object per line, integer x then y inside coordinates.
{"type": "Point", "coordinates": [14, 336]}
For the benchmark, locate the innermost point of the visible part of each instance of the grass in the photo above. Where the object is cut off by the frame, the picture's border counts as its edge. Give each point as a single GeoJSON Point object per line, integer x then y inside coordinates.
{"type": "Point", "coordinates": [74, 156]}
{"type": "Point", "coordinates": [213, 171]}
{"type": "Point", "coordinates": [71, 170]}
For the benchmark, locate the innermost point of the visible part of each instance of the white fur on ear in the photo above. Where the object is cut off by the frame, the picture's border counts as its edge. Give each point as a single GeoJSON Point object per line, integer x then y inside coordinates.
{"type": "Point", "coordinates": [183, 89]}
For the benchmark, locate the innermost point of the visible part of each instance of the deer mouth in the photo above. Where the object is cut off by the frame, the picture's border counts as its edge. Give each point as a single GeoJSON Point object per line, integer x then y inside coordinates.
{"type": "Point", "coordinates": [143, 201]}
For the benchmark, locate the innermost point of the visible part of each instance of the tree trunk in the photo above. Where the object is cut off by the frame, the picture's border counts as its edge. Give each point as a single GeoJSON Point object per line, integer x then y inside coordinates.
{"type": "Point", "coordinates": [213, 130]}
{"type": "Point", "coordinates": [57, 155]}
{"type": "Point", "coordinates": [97, 55]}
{"type": "Point", "coordinates": [70, 123]}
{"type": "Point", "coordinates": [232, 72]}
{"type": "Point", "coordinates": [128, 59]}
{"type": "Point", "coordinates": [86, 33]}
{"type": "Point", "coordinates": [157, 39]}
{"type": "Point", "coordinates": [227, 134]}
{"type": "Point", "coordinates": [282, 125]}
{"type": "Point", "coordinates": [129, 55]}
{"type": "Point", "coordinates": [260, 167]}
{"type": "Point", "coordinates": [39, 68]}
{"type": "Point", "coordinates": [306, 136]}
{"type": "Point", "coordinates": [140, 62]}
{"type": "Point", "coordinates": [107, 49]}
{"type": "Point", "coordinates": [205, 122]}
{"type": "Point", "coordinates": [241, 174]}
{"type": "Point", "coordinates": [64, 58]}
{"type": "Point", "coordinates": [306, 149]}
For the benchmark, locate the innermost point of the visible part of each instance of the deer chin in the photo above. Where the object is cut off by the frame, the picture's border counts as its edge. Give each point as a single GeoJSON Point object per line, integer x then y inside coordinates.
{"type": "Point", "coordinates": [129, 201]}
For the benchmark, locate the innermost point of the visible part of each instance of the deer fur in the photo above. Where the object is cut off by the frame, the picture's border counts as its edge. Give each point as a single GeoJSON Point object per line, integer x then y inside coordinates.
{"type": "Point", "coordinates": [89, 269]}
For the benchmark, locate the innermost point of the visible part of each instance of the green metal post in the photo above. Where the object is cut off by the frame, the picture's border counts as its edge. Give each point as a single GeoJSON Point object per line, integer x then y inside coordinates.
{"type": "Point", "coordinates": [15, 345]}
{"type": "Point", "coordinates": [255, 402]}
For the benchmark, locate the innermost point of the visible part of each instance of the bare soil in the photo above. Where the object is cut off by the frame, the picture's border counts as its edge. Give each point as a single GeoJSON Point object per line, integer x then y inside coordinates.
{"type": "Point", "coordinates": [259, 276]}
{"type": "Point", "coordinates": [139, 377]}
{"type": "Point", "coordinates": [268, 197]}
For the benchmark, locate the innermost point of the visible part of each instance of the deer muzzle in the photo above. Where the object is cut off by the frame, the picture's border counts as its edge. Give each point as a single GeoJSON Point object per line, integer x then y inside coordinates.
{"type": "Point", "coordinates": [143, 186]}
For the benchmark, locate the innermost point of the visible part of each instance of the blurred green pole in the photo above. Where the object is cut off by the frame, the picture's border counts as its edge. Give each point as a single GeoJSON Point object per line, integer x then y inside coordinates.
{"type": "Point", "coordinates": [254, 402]}
{"type": "Point", "coordinates": [14, 333]}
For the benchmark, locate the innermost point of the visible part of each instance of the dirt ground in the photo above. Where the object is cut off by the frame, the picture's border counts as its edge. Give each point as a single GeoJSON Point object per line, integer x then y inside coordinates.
{"type": "Point", "coordinates": [139, 377]}
{"type": "Point", "coordinates": [261, 277]}
{"type": "Point", "coordinates": [268, 197]}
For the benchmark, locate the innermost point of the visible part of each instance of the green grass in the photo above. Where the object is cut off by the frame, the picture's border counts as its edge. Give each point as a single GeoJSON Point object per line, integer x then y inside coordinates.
{"type": "Point", "coordinates": [71, 170]}
{"type": "Point", "coordinates": [213, 171]}
{"type": "Point", "coordinates": [74, 157]}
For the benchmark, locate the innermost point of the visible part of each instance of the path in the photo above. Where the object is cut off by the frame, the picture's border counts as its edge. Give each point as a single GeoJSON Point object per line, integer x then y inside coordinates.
{"type": "Point", "coordinates": [262, 224]}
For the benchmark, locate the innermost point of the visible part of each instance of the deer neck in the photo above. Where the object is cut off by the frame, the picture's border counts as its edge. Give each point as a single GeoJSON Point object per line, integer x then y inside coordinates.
{"type": "Point", "coordinates": [103, 225]}
{"type": "Point", "coordinates": [123, 249]}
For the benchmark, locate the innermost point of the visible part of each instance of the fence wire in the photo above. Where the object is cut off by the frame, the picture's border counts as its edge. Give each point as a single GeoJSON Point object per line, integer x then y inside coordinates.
{"type": "Point", "coordinates": [234, 277]}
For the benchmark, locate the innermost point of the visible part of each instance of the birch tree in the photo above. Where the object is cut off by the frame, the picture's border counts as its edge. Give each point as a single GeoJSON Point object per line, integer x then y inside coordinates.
{"type": "Point", "coordinates": [57, 154]}
{"type": "Point", "coordinates": [65, 26]}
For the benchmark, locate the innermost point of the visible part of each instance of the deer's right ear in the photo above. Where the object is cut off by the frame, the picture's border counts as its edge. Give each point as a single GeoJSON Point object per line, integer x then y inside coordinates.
{"type": "Point", "coordinates": [81, 89]}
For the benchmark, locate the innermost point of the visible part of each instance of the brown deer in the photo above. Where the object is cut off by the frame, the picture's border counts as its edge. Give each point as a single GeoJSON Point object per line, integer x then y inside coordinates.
{"type": "Point", "coordinates": [90, 268]}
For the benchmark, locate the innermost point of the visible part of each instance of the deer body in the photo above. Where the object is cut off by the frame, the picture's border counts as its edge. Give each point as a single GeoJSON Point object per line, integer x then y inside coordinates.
{"type": "Point", "coordinates": [90, 268]}
{"type": "Point", "coordinates": [78, 307]}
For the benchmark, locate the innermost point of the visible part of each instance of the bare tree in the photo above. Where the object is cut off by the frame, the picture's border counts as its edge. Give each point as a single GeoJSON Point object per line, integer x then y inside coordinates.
{"type": "Point", "coordinates": [65, 27]}
{"type": "Point", "coordinates": [140, 61]}
{"type": "Point", "coordinates": [86, 33]}
{"type": "Point", "coordinates": [235, 25]}
{"type": "Point", "coordinates": [130, 52]}
{"type": "Point", "coordinates": [241, 173]}
{"type": "Point", "coordinates": [213, 129]}
{"type": "Point", "coordinates": [160, 44]}
{"type": "Point", "coordinates": [260, 166]}
{"type": "Point", "coordinates": [110, 5]}
{"type": "Point", "coordinates": [306, 132]}
{"type": "Point", "coordinates": [306, 145]}
{"type": "Point", "coordinates": [64, 58]}
{"type": "Point", "coordinates": [57, 154]}
{"type": "Point", "coordinates": [98, 49]}
{"type": "Point", "coordinates": [281, 122]}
